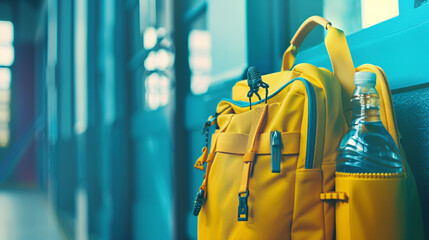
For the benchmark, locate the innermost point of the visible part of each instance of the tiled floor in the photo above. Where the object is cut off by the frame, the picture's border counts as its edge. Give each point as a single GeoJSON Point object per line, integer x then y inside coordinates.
{"type": "Point", "coordinates": [25, 215]}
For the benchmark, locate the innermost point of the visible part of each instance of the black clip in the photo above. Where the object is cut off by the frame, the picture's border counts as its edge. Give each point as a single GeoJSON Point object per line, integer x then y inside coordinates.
{"type": "Point", "coordinates": [206, 129]}
{"type": "Point", "coordinates": [198, 203]}
{"type": "Point", "coordinates": [207, 125]}
{"type": "Point", "coordinates": [276, 146]}
{"type": "Point", "coordinates": [254, 80]}
{"type": "Point", "coordinates": [243, 209]}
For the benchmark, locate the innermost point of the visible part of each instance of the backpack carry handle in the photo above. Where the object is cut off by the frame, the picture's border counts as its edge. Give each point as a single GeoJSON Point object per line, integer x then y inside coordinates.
{"type": "Point", "coordinates": [338, 50]}
{"type": "Point", "coordinates": [306, 27]}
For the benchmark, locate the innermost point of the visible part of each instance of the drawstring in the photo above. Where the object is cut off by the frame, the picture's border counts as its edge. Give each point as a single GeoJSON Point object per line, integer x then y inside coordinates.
{"type": "Point", "coordinates": [254, 80]}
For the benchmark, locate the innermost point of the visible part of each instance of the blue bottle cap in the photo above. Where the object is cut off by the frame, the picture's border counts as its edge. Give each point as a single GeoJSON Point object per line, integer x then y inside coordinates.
{"type": "Point", "coordinates": [365, 78]}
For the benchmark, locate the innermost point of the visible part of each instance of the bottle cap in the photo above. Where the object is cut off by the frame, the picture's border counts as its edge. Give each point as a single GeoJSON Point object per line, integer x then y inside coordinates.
{"type": "Point", "coordinates": [365, 78]}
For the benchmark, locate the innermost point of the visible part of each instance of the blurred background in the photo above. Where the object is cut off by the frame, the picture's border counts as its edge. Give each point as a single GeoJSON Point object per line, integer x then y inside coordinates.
{"type": "Point", "coordinates": [102, 102]}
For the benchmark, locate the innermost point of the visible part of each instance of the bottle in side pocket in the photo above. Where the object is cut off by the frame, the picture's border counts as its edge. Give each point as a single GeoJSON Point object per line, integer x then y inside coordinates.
{"type": "Point", "coordinates": [367, 147]}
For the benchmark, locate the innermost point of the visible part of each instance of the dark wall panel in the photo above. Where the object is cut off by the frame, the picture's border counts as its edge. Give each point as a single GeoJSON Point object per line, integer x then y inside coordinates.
{"type": "Point", "coordinates": [23, 78]}
{"type": "Point", "coordinates": [412, 114]}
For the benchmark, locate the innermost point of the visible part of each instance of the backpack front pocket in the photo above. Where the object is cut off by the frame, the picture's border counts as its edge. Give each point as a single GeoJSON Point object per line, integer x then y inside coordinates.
{"type": "Point", "coordinates": [308, 214]}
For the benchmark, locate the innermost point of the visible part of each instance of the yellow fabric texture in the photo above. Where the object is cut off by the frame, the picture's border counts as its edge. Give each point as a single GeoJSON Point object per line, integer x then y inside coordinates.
{"type": "Point", "coordinates": [300, 201]}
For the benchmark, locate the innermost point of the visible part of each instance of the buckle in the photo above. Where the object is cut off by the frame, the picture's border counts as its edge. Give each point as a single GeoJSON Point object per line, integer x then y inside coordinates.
{"type": "Point", "coordinates": [243, 208]}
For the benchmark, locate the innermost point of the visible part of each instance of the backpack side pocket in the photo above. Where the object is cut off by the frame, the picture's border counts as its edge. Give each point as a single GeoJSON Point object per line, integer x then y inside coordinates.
{"type": "Point", "coordinates": [377, 206]}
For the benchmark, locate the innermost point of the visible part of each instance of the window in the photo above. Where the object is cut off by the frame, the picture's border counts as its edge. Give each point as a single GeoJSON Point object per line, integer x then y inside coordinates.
{"type": "Point", "coordinates": [354, 15]}
{"type": "Point", "coordinates": [7, 56]}
{"type": "Point", "coordinates": [372, 15]}
{"type": "Point", "coordinates": [200, 61]}
{"type": "Point", "coordinates": [200, 47]}
{"type": "Point", "coordinates": [158, 67]}
{"type": "Point", "coordinates": [158, 51]}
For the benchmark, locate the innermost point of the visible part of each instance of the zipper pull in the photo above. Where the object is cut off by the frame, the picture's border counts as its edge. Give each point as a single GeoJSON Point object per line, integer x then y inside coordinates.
{"type": "Point", "coordinates": [276, 146]}
{"type": "Point", "coordinates": [243, 208]}
{"type": "Point", "coordinates": [198, 203]}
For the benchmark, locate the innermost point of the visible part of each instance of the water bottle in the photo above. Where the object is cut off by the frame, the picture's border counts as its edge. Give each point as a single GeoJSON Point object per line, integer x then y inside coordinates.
{"type": "Point", "coordinates": [368, 146]}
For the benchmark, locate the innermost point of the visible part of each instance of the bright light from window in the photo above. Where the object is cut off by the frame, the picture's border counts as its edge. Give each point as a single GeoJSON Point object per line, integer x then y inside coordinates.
{"type": "Point", "coordinates": [4, 115]}
{"type": "Point", "coordinates": [200, 61]}
{"type": "Point", "coordinates": [157, 90]}
{"type": "Point", "coordinates": [149, 38]}
{"type": "Point", "coordinates": [199, 39]}
{"type": "Point", "coordinates": [200, 83]}
{"type": "Point", "coordinates": [152, 101]}
{"type": "Point", "coordinates": [4, 96]}
{"type": "Point", "coordinates": [164, 82]}
{"type": "Point", "coordinates": [5, 77]}
{"type": "Point", "coordinates": [150, 62]}
{"type": "Point", "coordinates": [4, 135]}
{"type": "Point", "coordinates": [352, 15]}
{"type": "Point", "coordinates": [157, 65]}
{"type": "Point", "coordinates": [159, 60]}
{"type": "Point", "coordinates": [152, 91]}
{"type": "Point", "coordinates": [7, 55]}
{"type": "Point", "coordinates": [80, 74]}
{"type": "Point", "coordinates": [164, 87]}
{"type": "Point", "coordinates": [162, 60]}
{"type": "Point", "coordinates": [374, 12]}
{"type": "Point", "coordinates": [6, 30]}
{"type": "Point", "coordinates": [152, 82]}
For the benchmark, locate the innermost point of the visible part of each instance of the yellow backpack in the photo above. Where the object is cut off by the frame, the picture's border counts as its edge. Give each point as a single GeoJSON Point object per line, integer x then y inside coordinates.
{"type": "Point", "coordinates": [270, 170]}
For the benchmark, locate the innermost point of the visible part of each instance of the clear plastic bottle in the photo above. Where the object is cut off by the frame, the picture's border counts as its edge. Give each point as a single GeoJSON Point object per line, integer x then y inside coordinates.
{"type": "Point", "coordinates": [368, 146]}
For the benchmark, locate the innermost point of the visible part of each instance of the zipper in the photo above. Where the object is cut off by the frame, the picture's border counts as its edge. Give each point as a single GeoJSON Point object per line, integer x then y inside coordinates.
{"type": "Point", "coordinates": [276, 148]}
{"type": "Point", "coordinates": [312, 115]}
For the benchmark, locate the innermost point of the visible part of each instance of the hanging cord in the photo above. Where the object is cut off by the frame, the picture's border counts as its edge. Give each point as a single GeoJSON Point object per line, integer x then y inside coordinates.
{"type": "Point", "coordinates": [254, 80]}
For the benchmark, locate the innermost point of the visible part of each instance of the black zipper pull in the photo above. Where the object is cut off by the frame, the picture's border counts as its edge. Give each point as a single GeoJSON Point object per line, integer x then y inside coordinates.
{"type": "Point", "coordinates": [276, 148]}
{"type": "Point", "coordinates": [198, 203]}
{"type": "Point", "coordinates": [243, 208]}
